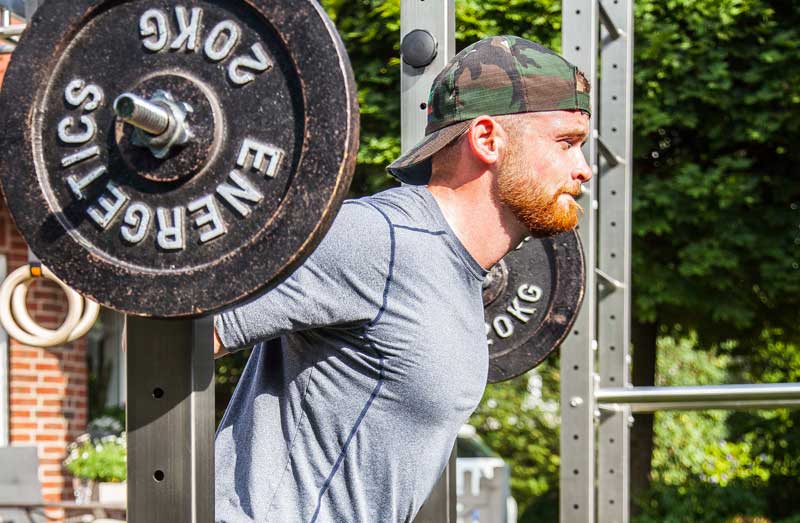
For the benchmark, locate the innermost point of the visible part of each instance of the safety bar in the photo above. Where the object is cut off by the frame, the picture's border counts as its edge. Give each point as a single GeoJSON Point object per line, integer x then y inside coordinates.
{"type": "Point", "coordinates": [703, 397]}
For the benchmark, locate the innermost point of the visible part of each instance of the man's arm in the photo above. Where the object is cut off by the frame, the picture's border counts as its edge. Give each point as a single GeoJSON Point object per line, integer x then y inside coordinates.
{"type": "Point", "coordinates": [342, 282]}
{"type": "Point", "coordinates": [219, 349]}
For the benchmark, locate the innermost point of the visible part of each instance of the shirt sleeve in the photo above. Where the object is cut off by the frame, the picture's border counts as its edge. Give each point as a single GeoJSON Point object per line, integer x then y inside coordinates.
{"type": "Point", "coordinates": [341, 283]}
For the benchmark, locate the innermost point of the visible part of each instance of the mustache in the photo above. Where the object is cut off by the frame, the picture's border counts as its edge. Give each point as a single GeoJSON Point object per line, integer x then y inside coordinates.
{"type": "Point", "coordinates": [574, 190]}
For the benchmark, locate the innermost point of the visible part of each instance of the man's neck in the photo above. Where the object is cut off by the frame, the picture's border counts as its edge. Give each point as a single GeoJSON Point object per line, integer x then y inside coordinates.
{"type": "Point", "coordinates": [487, 229]}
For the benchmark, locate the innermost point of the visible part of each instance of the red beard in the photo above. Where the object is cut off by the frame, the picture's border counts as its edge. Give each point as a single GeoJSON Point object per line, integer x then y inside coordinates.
{"type": "Point", "coordinates": [538, 208]}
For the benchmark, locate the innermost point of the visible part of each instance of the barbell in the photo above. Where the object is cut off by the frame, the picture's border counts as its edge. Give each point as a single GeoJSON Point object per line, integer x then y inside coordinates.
{"type": "Point", "coordinates": [172, 160]}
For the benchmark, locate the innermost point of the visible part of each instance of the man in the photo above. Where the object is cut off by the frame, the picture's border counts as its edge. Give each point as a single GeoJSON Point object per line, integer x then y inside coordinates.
{"type": "Point", "coordinates": [351, 414]}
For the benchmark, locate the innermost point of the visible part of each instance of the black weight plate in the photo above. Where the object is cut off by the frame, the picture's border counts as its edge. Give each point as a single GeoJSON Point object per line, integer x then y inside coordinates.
{"type": "Point", "coordinates": [270, 86]}
{"type": "Point", "coordinates": [531, 298]}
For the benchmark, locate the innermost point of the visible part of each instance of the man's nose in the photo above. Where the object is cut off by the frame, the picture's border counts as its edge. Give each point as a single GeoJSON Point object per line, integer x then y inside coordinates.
{"type": "Point", "coordinates": [582, 171]}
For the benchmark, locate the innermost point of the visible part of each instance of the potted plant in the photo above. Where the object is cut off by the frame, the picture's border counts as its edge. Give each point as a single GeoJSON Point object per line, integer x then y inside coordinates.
{"type": "Point", "coordinates": [98, 459]}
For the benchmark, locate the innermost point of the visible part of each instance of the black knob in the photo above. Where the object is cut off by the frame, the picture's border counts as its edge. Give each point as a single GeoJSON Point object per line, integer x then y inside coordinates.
{"type": "Point", "coordinates": [418, 48]}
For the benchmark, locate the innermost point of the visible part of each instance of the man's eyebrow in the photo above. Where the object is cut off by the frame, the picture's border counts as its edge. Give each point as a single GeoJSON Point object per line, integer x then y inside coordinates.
{"type": "Point", "coordinates": [577, 132]}
{"type": "Point", "coordinates": [580, 132]}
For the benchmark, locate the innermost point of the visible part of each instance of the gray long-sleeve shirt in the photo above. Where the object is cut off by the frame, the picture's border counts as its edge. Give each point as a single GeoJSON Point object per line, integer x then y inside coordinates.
{"type": "Point", "coordinates": [351, 416]}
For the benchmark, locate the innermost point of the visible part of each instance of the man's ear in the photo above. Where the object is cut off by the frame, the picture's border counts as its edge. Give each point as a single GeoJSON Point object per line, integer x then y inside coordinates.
{"type": "Point", "coordinates": [486, 138]}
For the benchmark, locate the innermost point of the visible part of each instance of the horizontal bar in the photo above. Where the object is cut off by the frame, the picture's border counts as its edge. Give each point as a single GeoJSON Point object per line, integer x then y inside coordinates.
{"type": "Point", "coordinates": [7, 48]}
{"type": "Point", "coordinates": [709, 405]}
{"type": "Point", "coordinates": [700, 394]}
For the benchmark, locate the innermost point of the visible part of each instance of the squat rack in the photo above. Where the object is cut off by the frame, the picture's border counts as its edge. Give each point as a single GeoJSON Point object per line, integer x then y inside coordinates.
{"type": "Point", "coordinates": [596, 396]}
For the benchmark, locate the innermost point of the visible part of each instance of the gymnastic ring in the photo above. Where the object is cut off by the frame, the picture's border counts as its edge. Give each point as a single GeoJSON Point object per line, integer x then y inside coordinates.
{"type": "Point", "coordinates": [58, 336]}
{"type": "Point", "coordinates": [90, 311]}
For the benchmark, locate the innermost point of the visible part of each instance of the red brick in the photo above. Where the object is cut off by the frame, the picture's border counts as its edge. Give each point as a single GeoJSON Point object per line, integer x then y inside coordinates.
{"type": "Point", "coordinates": [20, 365]}
{"type": "Point", "coordinates": [54, 379]}
{"type": "Point", "coordinates": [49, 390]}
{"type": "Point", "coordinates": [48, 437]}
{"type": "Point", "coordinates": [24, 353]}
{"type": "Point", "coordinates": [54, 449]}
{"type": "Point", "coordinates": [17, 413]}
{"type": "Point", "coordinates": [23, 402]}
{"type": "Point", "coordinates": [31, 378]}
{"type": "Point", "coordinates": [48, 366]}
{"type": "Point", "coordinates": [20, 390]}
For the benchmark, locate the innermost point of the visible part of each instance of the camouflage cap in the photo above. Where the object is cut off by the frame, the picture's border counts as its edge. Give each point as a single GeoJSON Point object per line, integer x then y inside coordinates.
{"type": "Point", "coordinates": [495, 76]}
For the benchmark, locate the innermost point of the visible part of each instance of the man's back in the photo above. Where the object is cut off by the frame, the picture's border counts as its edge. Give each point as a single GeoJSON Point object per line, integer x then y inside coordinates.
{"type": "Point", "coordinates": [352, 416]}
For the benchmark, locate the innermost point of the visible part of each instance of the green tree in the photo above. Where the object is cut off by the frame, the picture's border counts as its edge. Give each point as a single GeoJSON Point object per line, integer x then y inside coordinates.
{"type": "Point", "coordinates": [715, 192]}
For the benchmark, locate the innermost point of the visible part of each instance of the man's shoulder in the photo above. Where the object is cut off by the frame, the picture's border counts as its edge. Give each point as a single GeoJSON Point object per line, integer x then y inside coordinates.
{"type": "Point", "coordinates": [406, 205]}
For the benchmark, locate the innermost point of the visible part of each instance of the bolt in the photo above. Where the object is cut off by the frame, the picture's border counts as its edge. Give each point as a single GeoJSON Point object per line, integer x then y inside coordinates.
{"type": "Point", "coordinates": [576, 401]}
{"type": "Point", "coordinates": [147, 116]}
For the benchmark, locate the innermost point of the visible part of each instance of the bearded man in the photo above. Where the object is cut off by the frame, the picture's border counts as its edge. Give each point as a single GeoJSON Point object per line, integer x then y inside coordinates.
{"type": "Point", "coordinates": [369, 358]}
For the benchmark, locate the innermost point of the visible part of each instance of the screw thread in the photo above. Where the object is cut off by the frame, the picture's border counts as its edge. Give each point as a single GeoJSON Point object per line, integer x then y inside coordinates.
{"type": "Point", "coordinates": [147, 116]}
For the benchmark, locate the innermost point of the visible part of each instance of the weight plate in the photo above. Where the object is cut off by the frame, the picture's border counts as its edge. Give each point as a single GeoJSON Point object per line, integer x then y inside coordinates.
{"type": "Point", "coordinates": [270, 104]}
{"type": "Point", "coordinates": [531, 298]}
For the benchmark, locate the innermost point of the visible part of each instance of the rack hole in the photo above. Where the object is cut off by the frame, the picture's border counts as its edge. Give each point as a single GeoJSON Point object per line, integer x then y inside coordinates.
{"type": "Point", "coordinates": [575, 333]}
{"type": "Point", "coordinates": [576, 506]}
{"type": "Point", "coordinates": [611, 471]}
{"type": "Point", "coordinates": [611, 440]}
{"type": "Point", "coordinates": [577, 48]}
{"type": "Point", "coordinates": [613, 224]}
{"type": "Point", "coordinates": [613, 255]}
{"type": "Point", "coordinates": [612, 379]}
{"type": "Point", "coordinates": [158, 393]}
{"type": "Point", "coordinates": [575, 437]}
{"type": "Point", "coordinates": [612, 347]}
{"type": "Point", "coordinates": [423, 106]}
{"type": "Point", "coordinates": [577, 11]}
{"type": "Point", "coordinates": [613, 317]}
{"type": "Point", "coordinates": [576, 472]}
{"type": "Point", "coordinates": [575, 367]}
{"type": "Point", "coordinates": [158, 475]}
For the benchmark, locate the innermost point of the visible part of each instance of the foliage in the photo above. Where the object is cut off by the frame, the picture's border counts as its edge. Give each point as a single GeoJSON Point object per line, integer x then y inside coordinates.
{"type": "Point", "coordinates": [715, 193]}
{"type": "Point", "coordinates": [104, 459]}
{"type": "Point", "coordinates": [717, 466]}
{"type": "Point", "coordinates": [772, 434]}
{"type": "Point", "coordinates": [691, 444]}
{"type": "Point", "coordinates": [698, 501]}
{"type": "Point", "coordinates": [228, 371]}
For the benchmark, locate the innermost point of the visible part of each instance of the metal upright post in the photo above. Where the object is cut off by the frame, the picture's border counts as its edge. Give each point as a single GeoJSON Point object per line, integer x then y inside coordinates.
{"type": "Point", "coordinates": [170, 420]}
{"type": "Point", "coordinates": [577, 477]}
{"type": "Point", "coordinates": [437, 19]}
{"type": "Point", "coordinates": [614, 252]}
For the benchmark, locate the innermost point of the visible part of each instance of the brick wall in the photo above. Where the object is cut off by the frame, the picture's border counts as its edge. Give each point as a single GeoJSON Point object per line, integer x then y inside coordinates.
{"type": "Point", "coordinates": [47, 387]}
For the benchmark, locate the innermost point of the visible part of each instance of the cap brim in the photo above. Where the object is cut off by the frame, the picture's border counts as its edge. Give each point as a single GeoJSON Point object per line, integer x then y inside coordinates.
{"type": "Point", "coordinates": [414, 167]}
